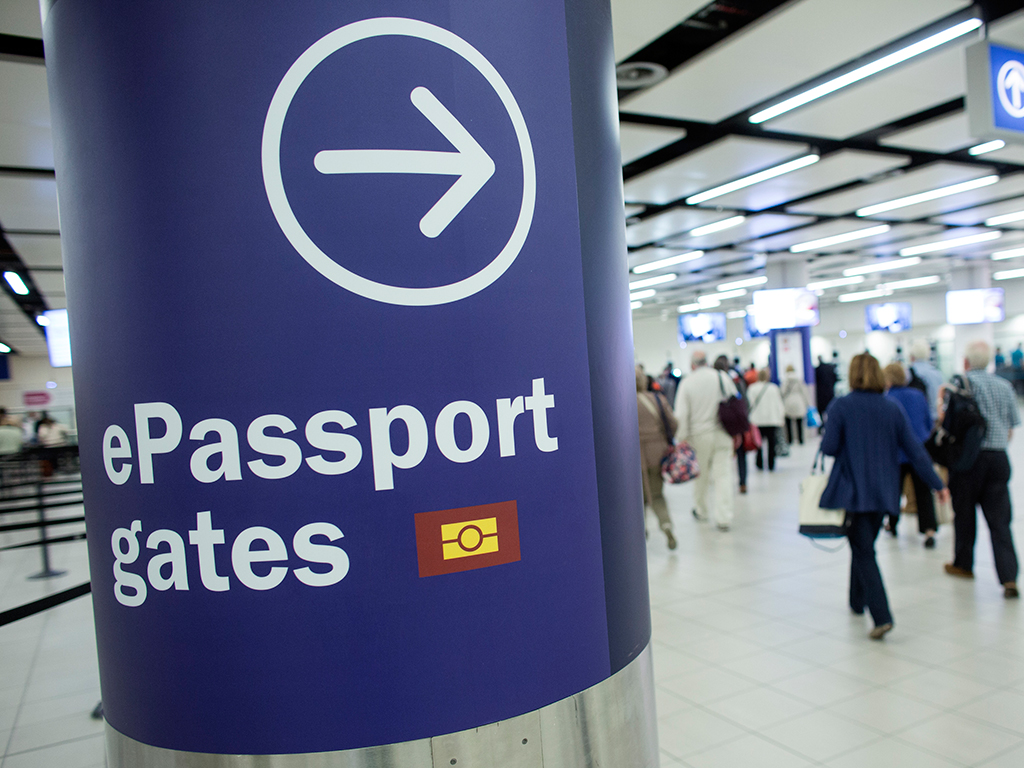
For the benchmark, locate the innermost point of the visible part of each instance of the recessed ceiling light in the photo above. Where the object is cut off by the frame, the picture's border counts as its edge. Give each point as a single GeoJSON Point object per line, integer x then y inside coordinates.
{"type": "Point", "coordinates": [1008, 274]}
{"type": "Point", "coordinates": [754, 178]}
{"type": "Point", "coordinates": [866, 70]}
{"type": "Point", "coordinates": [635, 304]}
{"type": "Point", "coordinates": [1010, 254]}
{"type": "Point", "coordinates": [932, 194]}
{"type": "Point", "coordinates": [882, 266]}
{"type": "Point", "coordinates": [17, 284]}
{"type": "Point", "coordinates": [1006, 218]}
{"type": "Point", "coordinates": [679, 258]}
{"type": "Point", "coordinates": [721, 296]}
{"type": "Point", "coordinates": [846, 237]}
{"type": "Point", "coordinates": [824, 285]}
{"type": "Point", "coordinates": [4, 349]}
{"type": "Point", "coordinates": [863, 295]}
{"type": "Point", "coordinates": [647, 282]}
{"type": "Point", "coordinates": [914, 282]}
{"type": "Point", "coordinates": [684, 308]}
{"type": "Point", "coordinates": [749, 282]}
{"type": "Point", "coordinates": [956, 242]}
{"type": "Point", "coordinates": [716, 226]}
{"type": "Point", "coordinates": [642, 294]}
{"type": "Point", "coordinates": [988, 146]}
{"type": "Point", "coordinates": [42, 320]}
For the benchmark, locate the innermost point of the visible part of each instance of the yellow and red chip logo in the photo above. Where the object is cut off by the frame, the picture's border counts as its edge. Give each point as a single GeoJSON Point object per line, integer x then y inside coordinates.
{"type": "Point", "coordinates": [453, 540]}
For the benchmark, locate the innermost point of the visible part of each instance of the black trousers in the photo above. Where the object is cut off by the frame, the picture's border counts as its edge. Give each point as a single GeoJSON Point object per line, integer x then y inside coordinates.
{"type": "Point", "coordinates": [925, 503]}
{"type": "Point", "coordinates": [986, 484]}
{"type": "Point", "coordinates": [799, 423]}
{"type": "Point", "coordinates": [866, 587]}
{"type": "Point", "coordinates": [769, 441]}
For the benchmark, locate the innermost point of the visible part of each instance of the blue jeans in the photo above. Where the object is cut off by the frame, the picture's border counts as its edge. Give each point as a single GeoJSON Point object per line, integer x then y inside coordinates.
{"type": "Point", "coordinates": [866, 587]}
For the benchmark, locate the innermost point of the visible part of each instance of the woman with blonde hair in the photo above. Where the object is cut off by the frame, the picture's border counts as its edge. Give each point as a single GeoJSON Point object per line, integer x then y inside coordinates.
{"type": "Point", "coordinates": [916, 406]}
{"type": "Point", "coordinates": [794, 396]}
{"type": "Point", "coordinates": [657, 424]}
{"type": "Point", "coordinates": [865, 432]}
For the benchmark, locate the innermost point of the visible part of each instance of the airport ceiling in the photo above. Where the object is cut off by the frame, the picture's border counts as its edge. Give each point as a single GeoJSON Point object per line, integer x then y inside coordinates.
{"type": "Point", "coordinates": [693, 74]}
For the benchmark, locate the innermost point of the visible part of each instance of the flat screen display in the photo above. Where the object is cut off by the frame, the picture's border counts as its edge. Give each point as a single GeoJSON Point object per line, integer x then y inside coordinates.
{"type": "Point", "coordinates": [58, 339]}
{"type": "Point", "coordinates": [786, 308]}
{"type": "Point", "coordinates": [702, 326]}
{"type": "Point", "coordinates": [893, 316]}
{"type": "Point", "coordinates": [754, 330]}
{"type": "Point", "coordinates": [977, 305]}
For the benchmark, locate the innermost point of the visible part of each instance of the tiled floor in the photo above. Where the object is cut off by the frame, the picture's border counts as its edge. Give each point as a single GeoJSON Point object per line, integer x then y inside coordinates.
{"type": "Point", "coordinates": [758, 662]}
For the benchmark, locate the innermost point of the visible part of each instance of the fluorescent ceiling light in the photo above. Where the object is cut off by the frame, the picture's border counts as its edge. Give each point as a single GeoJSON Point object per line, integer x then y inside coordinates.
{"type": "Point", "coordinates": [1010, 254]}
{"type": "Point", "coordinates": [1009, 274]}
{"type": "Point", "coordinates": [642, 294]}
{"type": "Point", "coordinates": [1006, 218]}
{"type": "Point", "coordinates": [42, 320]}
{"type": "Point", "coordinates": [846, 237]}
{"type": "Point", "coordinates": [882, 266]}
{"type": "Point", "coordinates": [649, 281]}
{"type": "Point", "coordinates": [684, 308]}
{"type": "Point", "coordinates": [716, 226]}
{"type": "Point", "coordinates": [736, 314]}
{"type": "Point", "coordinates": [988, 146]}
{"type": "Point", "coordinates": [4, 349]}
{"type": "Point", "coordinates": [956, 242]}
{"type": "Point", "coordinates": [750, 282]}
{"type": "Point", "coordinates": [866, 70]}
{"type": "Point", "coordinates": [635, 304]}
{"type": "Point", "coordinates": [17, 284]}
{"type": "Point", "coordinates": [754, 178]}
{"type": "Point", "coordinates": [915, 282]}
{"type": "Point", "coordinates": [718, 298]}
{"type": "Point", "coordinates": [824, 285]}
{"type": "Point", "coordinates": [679, 258]}
{"type": "Point", "coordinates": [708, 301]}
{"type": "Point", "coordinates": [863, 295]}
{"type": "Point", "coordinates": [932, 194]}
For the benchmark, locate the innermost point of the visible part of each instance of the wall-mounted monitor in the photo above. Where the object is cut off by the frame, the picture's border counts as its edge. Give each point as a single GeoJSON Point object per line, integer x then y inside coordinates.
{"type": "Point", "coordinates": [702, 326]}
{"type": "Point", "coordinates": [893, 316]}
{"type": "Point", "coordinates": [753, 329]}
{"type": "Point", "coordinates": [976, 305]}
{"type": "Point", "coordinates": [786, 308]}
{"type": "Point", "coordinates": [58, 339]}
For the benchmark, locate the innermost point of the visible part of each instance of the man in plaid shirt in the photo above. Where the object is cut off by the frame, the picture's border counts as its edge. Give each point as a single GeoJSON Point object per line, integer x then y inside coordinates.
{"type": "Point", "coordinates": [987, 482]}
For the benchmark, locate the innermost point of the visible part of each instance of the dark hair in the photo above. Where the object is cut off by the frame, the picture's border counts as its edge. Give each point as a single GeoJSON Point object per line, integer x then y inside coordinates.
{"type": "Point", "coordinates": [722, 363]}
{"type": "Point", "coordinates": [866, 374]}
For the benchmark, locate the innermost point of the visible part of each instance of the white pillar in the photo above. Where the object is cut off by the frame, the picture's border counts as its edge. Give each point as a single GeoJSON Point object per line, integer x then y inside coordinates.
{"type": "Point", "coordinates": [971, 275]}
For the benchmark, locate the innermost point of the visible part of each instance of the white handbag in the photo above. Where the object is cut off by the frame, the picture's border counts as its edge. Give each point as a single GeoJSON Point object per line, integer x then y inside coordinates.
{"type": "Point", "coordinates": [815, 522]}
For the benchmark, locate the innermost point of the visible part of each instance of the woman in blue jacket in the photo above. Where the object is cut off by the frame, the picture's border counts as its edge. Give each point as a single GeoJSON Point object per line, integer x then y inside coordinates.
{"type": "Point", "coordinates": [865, 432]}
{"type": "Point", "coordinates": [915, 404]}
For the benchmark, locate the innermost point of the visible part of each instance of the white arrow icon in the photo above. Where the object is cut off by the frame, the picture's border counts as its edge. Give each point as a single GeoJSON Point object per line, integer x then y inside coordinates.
{"type": "Point", "coordinates": [469, 162]}
{"type": "Point", "coordinates": [1011, 88]}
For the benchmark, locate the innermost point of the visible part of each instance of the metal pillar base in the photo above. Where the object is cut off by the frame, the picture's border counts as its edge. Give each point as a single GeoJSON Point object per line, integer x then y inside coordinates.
{"type": "Point", "coordinates": [611, 724]}
{"type": "Point", "coordinates": [47, 574]}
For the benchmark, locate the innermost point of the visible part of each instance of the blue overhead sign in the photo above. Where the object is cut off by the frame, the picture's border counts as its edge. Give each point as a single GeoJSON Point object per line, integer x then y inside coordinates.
{"type": "Point", "coordinates": [335, 324]}
{"type": "Point", "coordinates": [995, 92]}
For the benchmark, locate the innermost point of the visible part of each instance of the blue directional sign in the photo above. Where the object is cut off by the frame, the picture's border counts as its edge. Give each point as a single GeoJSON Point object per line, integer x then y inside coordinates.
{"type": "Point", "coordinates": [995, 92]}
{"type": "Point", "coordinates": [353, 364]}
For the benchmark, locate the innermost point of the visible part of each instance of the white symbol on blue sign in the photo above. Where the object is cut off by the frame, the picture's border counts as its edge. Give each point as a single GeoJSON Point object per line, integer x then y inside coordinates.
{"type": "Point", "coordinates": [469, 162]}
{"type": "Point", "coordinates": [1010, 87]}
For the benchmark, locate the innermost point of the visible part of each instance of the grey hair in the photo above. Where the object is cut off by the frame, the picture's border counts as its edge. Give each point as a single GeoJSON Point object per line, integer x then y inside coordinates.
{"type": "Point", "coordinates": [698, 359]}
{"type": "Point", "coordinates": [920, 350]}
{"type": "Point", "coordinates": [978, 355]}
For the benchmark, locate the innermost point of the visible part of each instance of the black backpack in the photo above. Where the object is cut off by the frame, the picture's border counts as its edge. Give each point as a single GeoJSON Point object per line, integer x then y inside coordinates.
{"type": "Point", "coordinates": [956, 442]}
{"type": "Point", "coordinates": [917, 382]}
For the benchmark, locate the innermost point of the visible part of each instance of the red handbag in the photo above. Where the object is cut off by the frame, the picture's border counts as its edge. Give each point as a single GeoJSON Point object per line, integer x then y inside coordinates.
{"type": "Point", "coordinates": [752, 439]}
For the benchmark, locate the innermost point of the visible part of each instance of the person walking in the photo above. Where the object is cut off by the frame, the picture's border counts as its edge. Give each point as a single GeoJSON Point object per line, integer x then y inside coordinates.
{"type": "Point", "coordinates": [697, 412]}
{"type": "Point", "coordinates": [768, 413]}
{"type": "Point", "coordinates": [922, 367]}
{"type": "Point", "coordinates": [657, 425]}
{"type": "Point", "coordinates": [916, 406]}
{"type": "Point", "coordinates": [722, 364]}
{"type": "Point", "coordinates": [986, 483]}
{"type": "Point", "coordinates": [794, 397]}
{"type": "Point", "coordinates": [825, 379]}
{"type": "Point", "coordinates": [865, 431]}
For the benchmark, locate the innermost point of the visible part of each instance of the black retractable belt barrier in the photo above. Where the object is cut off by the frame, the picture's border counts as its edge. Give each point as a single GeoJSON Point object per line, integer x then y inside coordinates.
{"type": "Point", "coordinates": [37, 606]}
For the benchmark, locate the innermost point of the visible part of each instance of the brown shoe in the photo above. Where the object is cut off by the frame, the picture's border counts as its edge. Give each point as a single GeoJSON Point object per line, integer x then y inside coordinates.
{"type": "Point", "coordinates": [1010, 590]}
{"type": "Point", "coordinates": [743, 489]}
{"type": "Point", "coordinates": [880, 631]}
{"type": "Point", "coordinates": [955, 570]}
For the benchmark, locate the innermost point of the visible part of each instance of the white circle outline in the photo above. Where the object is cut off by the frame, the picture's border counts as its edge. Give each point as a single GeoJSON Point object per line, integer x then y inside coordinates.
{"type": "Point", "coordinates": [1004, 72]}
{"type": "Point", "coordinates": [278, 198]}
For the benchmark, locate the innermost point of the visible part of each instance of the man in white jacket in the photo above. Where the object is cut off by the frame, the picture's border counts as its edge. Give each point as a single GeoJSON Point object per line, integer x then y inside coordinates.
{"type": "Point", "coordinates": [697, 409]}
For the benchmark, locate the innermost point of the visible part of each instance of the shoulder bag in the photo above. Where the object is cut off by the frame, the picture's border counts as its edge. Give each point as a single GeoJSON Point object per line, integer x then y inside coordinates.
{"type": "Point", "coordinates": [815, 522]}
{"type": "Point", "coordinates": [680, 464]}
{"type": "Point", "coordinates": [732, 412]}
